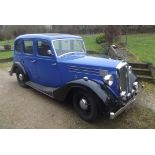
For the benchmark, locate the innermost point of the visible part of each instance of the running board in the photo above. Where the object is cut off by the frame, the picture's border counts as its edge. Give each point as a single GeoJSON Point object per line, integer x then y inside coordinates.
{"type": "Point", "coordinates": [43, 89]}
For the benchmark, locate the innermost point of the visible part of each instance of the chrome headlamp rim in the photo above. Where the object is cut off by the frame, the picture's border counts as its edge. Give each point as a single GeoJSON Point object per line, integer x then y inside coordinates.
{"type": "Point", "coordinates": [123, 95]}
{"type": "Point", "coordinates": [135, 85]}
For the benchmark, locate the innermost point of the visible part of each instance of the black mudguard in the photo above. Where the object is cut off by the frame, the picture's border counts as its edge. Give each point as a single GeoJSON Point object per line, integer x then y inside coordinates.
{"type": "Point", "coordinates": [61, 93]}
{"type": "Point", "coordinates": [15, 66]}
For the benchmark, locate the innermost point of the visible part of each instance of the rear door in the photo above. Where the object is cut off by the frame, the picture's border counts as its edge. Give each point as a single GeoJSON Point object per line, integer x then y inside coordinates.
{"type": "Point", "coordinates": [47, 66]}
{"type": "Point", "coordinates": [18, 51]}
{"type": "Point", "coordinates": [29, 59]}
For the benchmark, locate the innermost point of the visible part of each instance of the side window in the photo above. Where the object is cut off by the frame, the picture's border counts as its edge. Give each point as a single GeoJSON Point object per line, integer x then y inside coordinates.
{"type": "Point", "coordinates": [42, 48]}
{"type": "Point", "coordinates": [28, 46]}
{"type": "Point", "coordinates": [18, 46]}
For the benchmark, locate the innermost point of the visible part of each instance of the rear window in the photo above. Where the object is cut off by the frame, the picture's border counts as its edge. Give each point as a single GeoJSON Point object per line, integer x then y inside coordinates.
{"type": "Point", "coordinates": [28, 46]}
{"type": "Point", "coordinates": [18, 46]}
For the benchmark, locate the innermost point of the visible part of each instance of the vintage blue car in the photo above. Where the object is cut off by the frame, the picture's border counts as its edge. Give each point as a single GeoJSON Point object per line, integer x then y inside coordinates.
{"type": "Point", "coordinates": [58, 66]}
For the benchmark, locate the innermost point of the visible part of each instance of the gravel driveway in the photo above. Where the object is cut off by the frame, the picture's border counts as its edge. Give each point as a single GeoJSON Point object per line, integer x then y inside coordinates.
{"type": "Point", "coordinates": [27, 108]}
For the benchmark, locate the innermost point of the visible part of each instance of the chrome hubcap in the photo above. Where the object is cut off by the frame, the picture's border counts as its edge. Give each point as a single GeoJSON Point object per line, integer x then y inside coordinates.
{"type": "Point", "coordinates": [21, 77]}
{"type": "Point", "coordinates": [83, 104]}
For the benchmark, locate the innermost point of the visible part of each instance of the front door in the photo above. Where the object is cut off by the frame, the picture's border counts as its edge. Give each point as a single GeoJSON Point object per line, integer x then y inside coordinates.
{"type": "Point", "coordinates": [47, 67]}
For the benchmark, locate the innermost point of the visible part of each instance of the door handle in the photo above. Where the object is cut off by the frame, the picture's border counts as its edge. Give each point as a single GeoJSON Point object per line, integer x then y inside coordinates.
{"type": "Point", "coordinates": [33, 61]}
{"type": "Point", "coordinates": [54, 64]}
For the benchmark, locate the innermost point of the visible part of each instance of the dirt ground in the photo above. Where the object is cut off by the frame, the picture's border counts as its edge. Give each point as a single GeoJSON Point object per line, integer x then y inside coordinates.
{"type": "Point", "coordinates": [27, 108]}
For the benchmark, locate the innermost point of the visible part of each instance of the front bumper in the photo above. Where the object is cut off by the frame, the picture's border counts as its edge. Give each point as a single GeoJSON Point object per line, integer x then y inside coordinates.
{"type": "Point", "coordinates": [118, 112]}
{"type": "Point", "coordinates": [113, 115]}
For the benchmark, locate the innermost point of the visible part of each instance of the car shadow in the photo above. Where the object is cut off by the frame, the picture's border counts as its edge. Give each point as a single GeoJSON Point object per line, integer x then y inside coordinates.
{"type": "Point", "coordinates": [102, 122]}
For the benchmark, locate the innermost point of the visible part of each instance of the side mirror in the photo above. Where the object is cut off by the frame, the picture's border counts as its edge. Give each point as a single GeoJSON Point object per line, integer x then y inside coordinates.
{"type": "Point", "coordinates": [49, 52]}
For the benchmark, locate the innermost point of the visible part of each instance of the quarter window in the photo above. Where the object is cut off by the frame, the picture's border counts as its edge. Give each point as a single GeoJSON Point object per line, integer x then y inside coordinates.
{"type": "Point", "coordinates": [18, 46]}
{"type": "Point", "coordinates": [28, 46]}
{"type": "Point", "coordinates": [43, 47]}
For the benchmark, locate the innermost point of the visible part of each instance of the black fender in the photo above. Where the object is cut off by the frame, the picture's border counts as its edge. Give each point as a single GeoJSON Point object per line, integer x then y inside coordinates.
{"type": "Point", "coordinates": [15, 66]}
{"type": "Point", "coordinates": [61, 93]}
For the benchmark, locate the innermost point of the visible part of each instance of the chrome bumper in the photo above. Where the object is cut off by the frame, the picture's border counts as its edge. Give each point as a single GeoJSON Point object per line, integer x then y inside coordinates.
{"type": "Point", "coordinates": [114, 115]}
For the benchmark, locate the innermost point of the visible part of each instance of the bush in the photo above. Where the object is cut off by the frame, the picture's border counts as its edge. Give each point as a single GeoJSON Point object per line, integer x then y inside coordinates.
{"type": "Point", "coordinates": [7, 47]}
{"type": "Point", "coordinates": [100, 39]}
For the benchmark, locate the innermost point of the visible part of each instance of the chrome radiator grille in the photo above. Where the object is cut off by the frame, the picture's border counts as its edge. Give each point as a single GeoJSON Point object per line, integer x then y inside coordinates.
{"type": "Point", "coordinates": [123, 80]}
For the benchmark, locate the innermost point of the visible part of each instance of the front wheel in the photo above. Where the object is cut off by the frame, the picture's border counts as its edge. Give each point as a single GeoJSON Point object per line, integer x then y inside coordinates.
{"type": "Point", "coordinates": [21, 78]}
{"type": "Point", "coordinates": [85, 105]}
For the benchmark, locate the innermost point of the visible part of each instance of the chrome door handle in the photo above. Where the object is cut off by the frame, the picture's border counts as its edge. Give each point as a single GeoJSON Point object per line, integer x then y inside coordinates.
{"type": "Point", "coordinates": [54, 64]}
{"type": "Point", "coordinates": [33, 61]}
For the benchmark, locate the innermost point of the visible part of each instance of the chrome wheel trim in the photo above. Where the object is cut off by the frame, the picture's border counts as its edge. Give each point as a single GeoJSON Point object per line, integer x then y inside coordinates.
{"type": "Point", "coordinates": [21, 77]}
{"type": "Point", "coordinates": [83, 104]}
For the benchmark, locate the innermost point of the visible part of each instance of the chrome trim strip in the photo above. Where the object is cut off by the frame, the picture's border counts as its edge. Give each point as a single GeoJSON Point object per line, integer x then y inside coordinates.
{"type": "Point", "coordinates": [84, 72]}
{"type": "Point", "coordinates": [88, 71]}
{"type": "Point", "coordinates": [80, 67]}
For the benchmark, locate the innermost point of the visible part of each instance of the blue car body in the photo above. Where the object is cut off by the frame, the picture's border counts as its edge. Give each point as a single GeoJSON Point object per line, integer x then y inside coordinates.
{"type": "Point", "coordinates": [59, 71]}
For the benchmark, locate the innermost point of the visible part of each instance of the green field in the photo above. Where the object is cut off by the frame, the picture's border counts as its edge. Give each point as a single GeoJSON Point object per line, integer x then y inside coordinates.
{"type": "Point", "coordinates": [6, 66]}
{"type": "Point", "coordinates": [142, 46]}
{"type": "Point", "coordinates": [6, 54]}
{"type": "Point", "coordinates": [10, 42]}
{"type": "Point", "coordinates": [90, 43]}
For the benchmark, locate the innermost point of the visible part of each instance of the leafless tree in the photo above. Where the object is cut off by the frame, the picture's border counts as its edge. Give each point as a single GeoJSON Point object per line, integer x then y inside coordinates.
{"type": "Point", "coordinates": [112, 33]}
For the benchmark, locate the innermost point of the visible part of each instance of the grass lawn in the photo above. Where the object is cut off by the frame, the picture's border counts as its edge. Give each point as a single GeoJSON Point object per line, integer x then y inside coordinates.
{"type": "Point", "coordinates": [138, 117]}
{"type": "Point", "coordinates": [10, 42]}
{"type": "Point", "coordinates": [6, 54]}
{"type": "Point", "coordinates": [142, 46]}
{"type": "Point", "coordinates": [5, 66]}
{"type": "Point", "coordinates": [91, 45]}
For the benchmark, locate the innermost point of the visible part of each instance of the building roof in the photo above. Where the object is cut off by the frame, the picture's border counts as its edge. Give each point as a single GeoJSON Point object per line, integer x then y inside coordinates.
{"type": "Point", "coordinates": [49, 36]}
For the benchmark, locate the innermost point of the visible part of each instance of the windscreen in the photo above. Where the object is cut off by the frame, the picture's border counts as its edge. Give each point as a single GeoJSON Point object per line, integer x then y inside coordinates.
{"type": "Point", "coordinates": [67, 46]}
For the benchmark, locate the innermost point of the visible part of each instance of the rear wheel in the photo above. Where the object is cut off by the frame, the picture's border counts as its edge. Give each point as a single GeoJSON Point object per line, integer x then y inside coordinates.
{"type": "Point", "coordinates": [21, 77]}
{"type": "Point", "coordinates": [84, 103]}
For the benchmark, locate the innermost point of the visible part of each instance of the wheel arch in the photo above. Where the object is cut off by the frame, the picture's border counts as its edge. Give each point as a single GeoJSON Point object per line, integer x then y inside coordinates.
{"type": "Point", "coordinates": [15, 66]}
{"type": "Point", "coordinates": [75, 88]}
{"type": "Point", "coordinates": [63, 92]}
